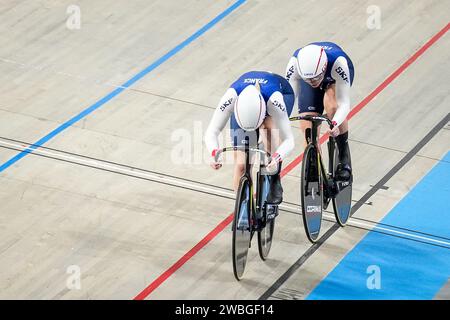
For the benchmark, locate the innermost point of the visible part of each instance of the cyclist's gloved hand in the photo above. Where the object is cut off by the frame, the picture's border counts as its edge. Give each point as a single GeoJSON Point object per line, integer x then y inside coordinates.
{"type": "Point", "coordinates": [273, 165]}
{"type": "Point", "coordinates": [335, 131]}
{"type": "Point", "coordinates": [215, 164]}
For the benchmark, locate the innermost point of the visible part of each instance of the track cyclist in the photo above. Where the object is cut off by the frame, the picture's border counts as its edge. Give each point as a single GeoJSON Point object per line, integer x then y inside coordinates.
{"type": "Point", "coordinates": [321, 75]}
{"type": "Point", "coordinates": [257, 100]}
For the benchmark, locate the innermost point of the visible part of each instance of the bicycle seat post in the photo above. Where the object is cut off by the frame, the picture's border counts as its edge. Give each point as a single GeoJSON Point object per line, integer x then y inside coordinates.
{"type": "Point", "coordinates": [247, 154]}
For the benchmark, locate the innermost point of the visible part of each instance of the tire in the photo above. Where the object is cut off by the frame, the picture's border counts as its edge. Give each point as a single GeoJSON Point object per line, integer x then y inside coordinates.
{"type": "Point", "coordinates": [241, 229]}
{"type": "Point", "coordinates": [343, 201]}
{"type": "Point", "coordinates": [311, 199]}
{"type": "Point", "coordinates": [265, 237]}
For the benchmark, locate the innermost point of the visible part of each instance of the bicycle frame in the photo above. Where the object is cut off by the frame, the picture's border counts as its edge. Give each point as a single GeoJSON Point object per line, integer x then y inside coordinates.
{"type": "Point", "coordinates": [247, 174]}
{"type": "Point", "coordinates": [242, 236]}
{"type": "Point", "coordinates": [336, 191]}
{"type": "Point", "coordinates": [311, 138]}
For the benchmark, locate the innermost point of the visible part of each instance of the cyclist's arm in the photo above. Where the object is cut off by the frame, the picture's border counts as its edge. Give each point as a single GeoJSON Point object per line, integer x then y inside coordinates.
{"type": "Point", "coordinates": [341, 75]}
{"type": "Point", "coordinates": [219, 120]}
{"type": "Point", "coordinates": [293, 76]}
{"type": "Point", "coordinates": [277, 110]}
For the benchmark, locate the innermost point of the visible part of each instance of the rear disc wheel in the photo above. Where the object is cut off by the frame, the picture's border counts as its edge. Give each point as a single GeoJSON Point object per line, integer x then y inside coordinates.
{"type": "Point", "coordinates": [343, 201]}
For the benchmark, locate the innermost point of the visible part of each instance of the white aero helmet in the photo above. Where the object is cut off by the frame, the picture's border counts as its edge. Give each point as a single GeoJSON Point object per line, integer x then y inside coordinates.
{"type": "Point", "coordinates": [312, 64]}
{"type": "Point", "coordinates": [250, 108]}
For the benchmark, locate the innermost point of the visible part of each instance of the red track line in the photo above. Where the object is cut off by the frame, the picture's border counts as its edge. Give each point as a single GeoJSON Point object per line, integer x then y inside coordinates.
{"type": "Point", "coordinates": [163, 277]}
{"type": "Point", "coordinates": [155, 284]}
{"type": "Point", "coordinates": [400, 70]}
{"type": "Point", "coordinates": [377, 90]}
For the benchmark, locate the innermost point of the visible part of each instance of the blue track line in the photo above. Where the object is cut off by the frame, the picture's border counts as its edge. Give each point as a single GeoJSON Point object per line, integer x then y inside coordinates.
{"type": "Point", "coordinates": [124, 86]}
{"type": "Point", "coordinates": [381, 267]}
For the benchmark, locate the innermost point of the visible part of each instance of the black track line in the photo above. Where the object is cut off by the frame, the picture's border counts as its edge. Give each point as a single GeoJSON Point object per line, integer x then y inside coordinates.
{"type": "Point", "coordinates": [311, 250]}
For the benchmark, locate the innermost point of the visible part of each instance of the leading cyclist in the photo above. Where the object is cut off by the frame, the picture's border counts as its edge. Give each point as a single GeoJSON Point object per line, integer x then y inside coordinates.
{"type": "Point", "coordinates": [321, 75]}
{"type": "Point", "coordinates": [257, 100]}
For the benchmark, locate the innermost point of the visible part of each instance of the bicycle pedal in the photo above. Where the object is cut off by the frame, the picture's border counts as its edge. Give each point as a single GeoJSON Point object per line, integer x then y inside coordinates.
{"type": "Point", "coordinates": [260, 227]}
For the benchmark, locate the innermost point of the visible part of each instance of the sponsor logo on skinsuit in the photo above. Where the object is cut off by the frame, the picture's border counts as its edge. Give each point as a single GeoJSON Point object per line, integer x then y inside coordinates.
{"type": "Point", "coordinates": [244, 142]}
{"type": "Point", "coordinates": [279, 105]}
{"type": "Point", "coordinates": [226, 104]}
{"type": "Point", "coordinates": [342, 74]}
{"type": "Point", "coordinates": [256, 80]}
{"type": "Point", "coordinates": [290, 73]}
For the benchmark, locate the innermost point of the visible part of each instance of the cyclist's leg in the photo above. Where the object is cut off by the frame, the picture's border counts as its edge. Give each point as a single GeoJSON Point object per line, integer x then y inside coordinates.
{"type": "Point", "coordinates": [271, 140]}
{"type": "Point", "coordinates": [310, 102]}
{"type": "Point", "coordinates": [344, 170]}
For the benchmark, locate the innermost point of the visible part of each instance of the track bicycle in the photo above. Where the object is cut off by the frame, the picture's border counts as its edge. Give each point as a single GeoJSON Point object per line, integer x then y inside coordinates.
{"type": "Point", "coordinates": [252, 212]}
{"type": "Point", "coordinates": [319, 187]}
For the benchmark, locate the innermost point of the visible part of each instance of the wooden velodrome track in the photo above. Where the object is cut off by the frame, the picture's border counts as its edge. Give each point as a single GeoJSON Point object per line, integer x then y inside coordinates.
{"type": "Point", "coordinates": [108, 104]}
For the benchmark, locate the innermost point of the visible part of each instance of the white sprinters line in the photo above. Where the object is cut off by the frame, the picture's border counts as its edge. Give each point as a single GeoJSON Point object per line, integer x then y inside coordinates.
{"type": "Point", "coordinates": [407, 234]}
{"type": "Point", "coordinates": [370, 226]}
{"type": "Point", "coordinates": [196, 186]}
{"type": "Point", "coordinates": [86, 80]}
